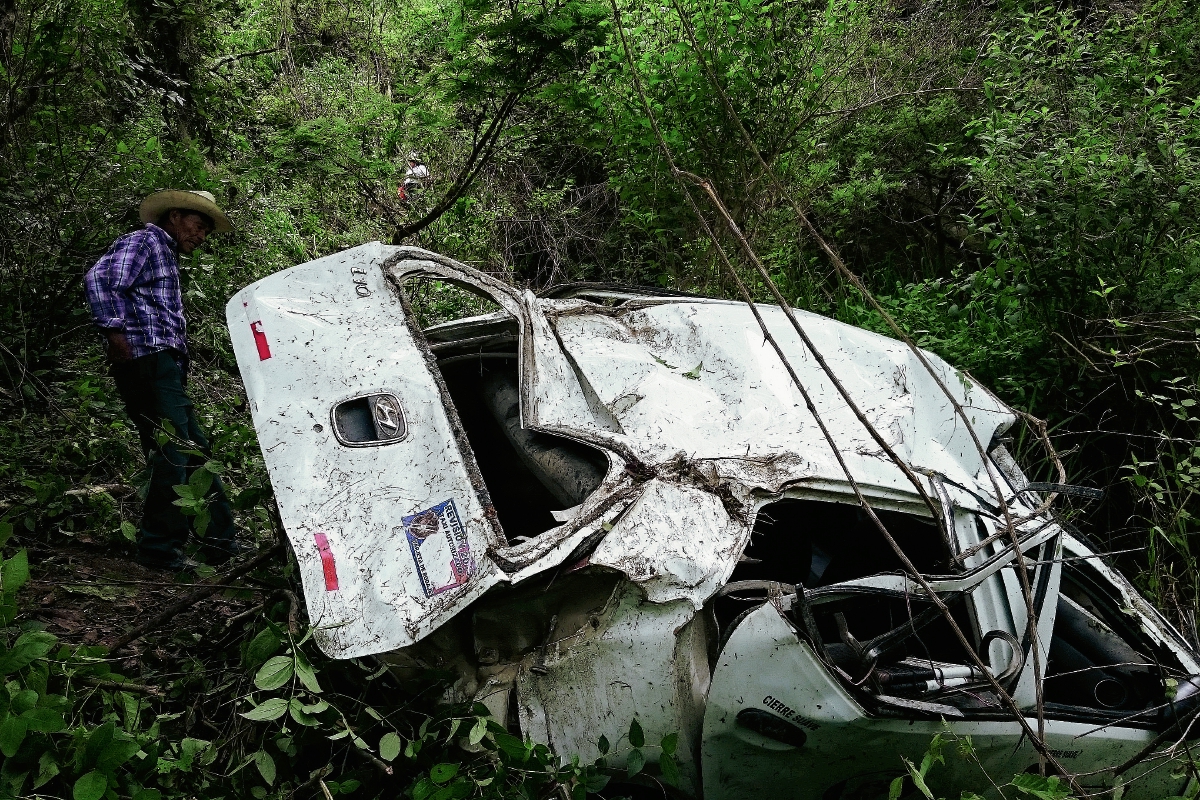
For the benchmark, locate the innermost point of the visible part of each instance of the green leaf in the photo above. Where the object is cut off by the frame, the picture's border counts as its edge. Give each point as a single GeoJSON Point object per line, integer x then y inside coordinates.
{"type": "Point", "coordinates": [349, 785]}
{"type": "Point", "coordinates": [1050, 788]}
{"type": "Point", "coordinates": [47, 769]}
{"type": "Point", "coordinates": [28, 648]}
{"type": "Point", "coordinates": [91, 786]}
{"type": "Point", "coordinates": [896, 788]}
{"type": "Point", "coordinates": [306, 674]}
{"type": "Point", "coordinates": [189, 748]}
{"type": "Point", "coordinates": [269, 709]}
{"type": "Point", "coordinates": [200, 482]}
{"type": "Point", "coordinates": [694, 373]}
{"type": "Point", "coordinates": [670, 770]}
{"type": "Point", "coordinates": [186, 497]}
{"type": "Point", "coordinates": [918, 779]}
{"type": "Point", "coordinates": [200, 525]}
{"type": "Point", "coordinates": [99, 739]}
{"type": "Point", "coordinates": [603, 745]}
{"type": "Point", "coordinates": [441, 773]}
{"type": "Point", "coordinates": [116, 754]}
{"type": "Point", "coordinates": [511, 746]}
{"type": "Point", "coordinates": [129, 531]}
{"type": "Point", "coordinates": [595, 780]}
{"type": "Point", "coordinates": [636, 737]}
{"type": "Point", "coordinates": [423, 789]}
{"type": "Point", "coordinates": [296, 709]}
{"type": "Point", "coordinates": [669, 743]}
{"type": "Point", "coordinates": [14, 573]}
{"type": "Point", "coordinates": [12, 733]}
{"type": "Point", "coordinates": [266, 766]}
{"type": "Point", "coordinates": [261, 647]}
{"type": "Point", "coordinates": [23, 701]}
{"type": "Point", "coordinates": [316, 708]}
{"type": "Point", "coordinates": [148, 794]}
{"type": "Point", "coordinates": [275, 673]}
{"type": "Point", "coordinates": [477, 731]}
{"type": "Point", "coordinates": [44, 720]}
{"type": "Point", "coordinates": [389, 746]}
{"type": "Point", "coordinates": [637, 760]}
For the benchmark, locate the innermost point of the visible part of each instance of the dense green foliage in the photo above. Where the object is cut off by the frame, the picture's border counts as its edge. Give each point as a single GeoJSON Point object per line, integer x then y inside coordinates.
{"type": "Point", "coordinates": [1016, 181]}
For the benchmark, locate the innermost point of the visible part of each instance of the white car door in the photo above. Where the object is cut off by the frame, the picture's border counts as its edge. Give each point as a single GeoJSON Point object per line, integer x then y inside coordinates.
{"type": "Point", "coordinates": [385, 511]}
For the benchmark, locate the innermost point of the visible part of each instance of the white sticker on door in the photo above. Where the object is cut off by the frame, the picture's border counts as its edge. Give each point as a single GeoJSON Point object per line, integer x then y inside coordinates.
{"type": "Point", "coordinates": [439, 547]}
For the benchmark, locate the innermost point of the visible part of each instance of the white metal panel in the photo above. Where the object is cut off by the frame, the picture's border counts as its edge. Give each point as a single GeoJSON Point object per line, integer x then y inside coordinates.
{"type": "Point", "coordinates": [638, 660]}
{"type": "Point", "coordinates": [989, 600]}
{"type": "Point", "coordinates": [698, 379]}
{"type": "Point", "coordinates": [677, 542]}
{"type": "Point", "coordinates": [374, 577]}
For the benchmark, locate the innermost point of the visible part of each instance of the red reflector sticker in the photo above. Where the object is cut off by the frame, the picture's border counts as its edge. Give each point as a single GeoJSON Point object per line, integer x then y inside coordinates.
{"type": "Point", "coordinates": [260, 341]}
{"type": "Point", "coordinates": [331, 579]}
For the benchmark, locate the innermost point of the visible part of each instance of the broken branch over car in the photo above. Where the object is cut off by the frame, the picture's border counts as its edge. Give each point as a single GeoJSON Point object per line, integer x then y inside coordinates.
{"type": "Point", "coordinates": [604, 504]}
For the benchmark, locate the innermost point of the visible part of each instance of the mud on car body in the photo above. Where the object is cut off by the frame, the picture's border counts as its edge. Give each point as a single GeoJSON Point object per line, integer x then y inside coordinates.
{"type": "Point", "coordinates": [605, 504]}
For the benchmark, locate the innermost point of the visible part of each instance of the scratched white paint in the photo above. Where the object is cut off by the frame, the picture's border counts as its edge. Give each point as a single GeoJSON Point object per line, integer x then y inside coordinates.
{"type": "Point", "coordinates": [330, 343]}
{"type": "Point", "coordinates": [641, 660]}
{"type": "Point", "coordinates": [700, 379]}
{"type": "Point", "coordinates": [691, 565]}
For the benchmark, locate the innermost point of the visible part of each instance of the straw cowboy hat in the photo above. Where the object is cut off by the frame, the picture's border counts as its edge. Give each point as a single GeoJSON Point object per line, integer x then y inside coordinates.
{"type": "Point", "coordinates": [153, 206]}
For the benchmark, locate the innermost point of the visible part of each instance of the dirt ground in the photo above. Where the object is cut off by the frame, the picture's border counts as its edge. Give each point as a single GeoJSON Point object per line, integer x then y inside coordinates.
{"type": "Point", "coordinates": [91, 596]}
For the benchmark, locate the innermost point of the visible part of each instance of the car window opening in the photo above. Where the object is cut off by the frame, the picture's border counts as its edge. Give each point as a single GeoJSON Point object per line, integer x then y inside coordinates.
{"type": "Point", "coordinates": [814, 543]}
{"type": "Point", "coordinates": [436, 301]}
{"type": "Point", "coordinates": [890, 645]}
{"type": "Point", "coordinates": [1099, 657]}
{"type": "Point", "coordinates": [817, 543]}
{"type": "Point", "coordinates": [528, 474]}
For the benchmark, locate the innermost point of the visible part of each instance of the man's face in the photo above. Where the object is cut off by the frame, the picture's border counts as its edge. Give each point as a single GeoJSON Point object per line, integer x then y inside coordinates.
{"type": "Point", "coordinates": [189, 229]}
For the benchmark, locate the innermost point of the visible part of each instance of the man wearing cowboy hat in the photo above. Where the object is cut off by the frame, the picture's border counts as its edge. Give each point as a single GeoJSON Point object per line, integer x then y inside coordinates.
{"type": "Point", "coordinates": [136, 302]}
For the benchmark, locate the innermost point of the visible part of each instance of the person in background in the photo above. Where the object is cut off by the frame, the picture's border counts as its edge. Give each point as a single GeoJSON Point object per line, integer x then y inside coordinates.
{"type": "Point", "coordinates": [415, 178]}
{"type": "Point", "coordinates": [136, 303]}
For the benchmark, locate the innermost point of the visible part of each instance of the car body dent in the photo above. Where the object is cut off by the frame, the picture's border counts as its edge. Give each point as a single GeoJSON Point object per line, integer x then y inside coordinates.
{"type": "Point", "coordinates": [608, 615]}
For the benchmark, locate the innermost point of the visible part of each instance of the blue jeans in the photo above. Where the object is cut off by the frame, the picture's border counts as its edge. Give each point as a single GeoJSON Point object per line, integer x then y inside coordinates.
{"type": "Point", "coordinates": [152, 388]}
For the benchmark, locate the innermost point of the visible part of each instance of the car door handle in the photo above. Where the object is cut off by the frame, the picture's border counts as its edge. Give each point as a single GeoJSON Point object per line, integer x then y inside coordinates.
{"type": "Point", "coordinates": [764, 723]}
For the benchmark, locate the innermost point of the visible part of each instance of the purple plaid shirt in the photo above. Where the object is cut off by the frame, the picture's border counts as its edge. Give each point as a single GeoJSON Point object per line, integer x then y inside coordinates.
{"type": "Point", "coordinates": [134, 287]}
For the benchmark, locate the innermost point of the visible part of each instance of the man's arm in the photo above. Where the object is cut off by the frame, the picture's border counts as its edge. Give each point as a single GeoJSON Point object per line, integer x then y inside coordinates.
{"type": "Point", "coordinates": [108, 284]}
{"type": "Point", "coordinates": [118, 347]}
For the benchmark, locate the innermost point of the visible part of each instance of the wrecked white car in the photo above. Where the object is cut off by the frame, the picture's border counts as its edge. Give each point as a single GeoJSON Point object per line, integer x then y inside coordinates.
{"type": "Point", "coordinates": [603, 505]}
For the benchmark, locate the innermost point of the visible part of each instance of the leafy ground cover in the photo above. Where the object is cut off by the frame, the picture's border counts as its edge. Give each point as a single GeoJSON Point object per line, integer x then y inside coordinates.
{"type": "Point", "coordinates": [227, 698]}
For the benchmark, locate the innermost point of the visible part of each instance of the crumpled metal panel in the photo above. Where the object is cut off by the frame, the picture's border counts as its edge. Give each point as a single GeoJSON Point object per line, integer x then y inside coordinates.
{"type": "Point", "coordinates": [698, 379]}
{"type": "Point", "coordinates": [676, 542]}
{"type": "Point", "coordinates": [638, 660]}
